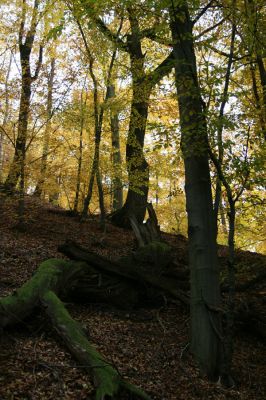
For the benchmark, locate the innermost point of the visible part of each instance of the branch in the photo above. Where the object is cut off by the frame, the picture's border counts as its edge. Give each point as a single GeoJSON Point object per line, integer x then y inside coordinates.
{"type": "Point", "coordinates": [225, 92]}
{"type": "Point", "coordinates": [33, 25]}
{"type": "Point", "coordinates": [202, 12]}
{"type": "Point", "coordinates": [22, 23]}
{"type": "Point", "coordinates": [110, 35]}
{"type": "Point", "coordinates": [7, 135]}
{"type": "Point", "coordinates": [109, 74]}
{"type": "Point", "coordinates": [162, 70]}
{"type": "Point", "coordinates": [210, 28]}
{"type": "Point", "coordinates": [149, 33]}
{"type": "Point", "coordinates": [221, 176]}
{"type": "Point", "coordinates": [39, 64]}
{"type": "Point", "coordinates": [93, 77]}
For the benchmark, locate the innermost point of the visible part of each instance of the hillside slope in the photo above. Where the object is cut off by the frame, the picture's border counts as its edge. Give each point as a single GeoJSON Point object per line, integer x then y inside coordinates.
{"type": "Point", "coordinates": [148, 346]}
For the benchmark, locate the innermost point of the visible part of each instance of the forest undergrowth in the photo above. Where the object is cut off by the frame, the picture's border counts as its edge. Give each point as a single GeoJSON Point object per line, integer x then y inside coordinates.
{"type": "Point", "coordinates": [149, 346]}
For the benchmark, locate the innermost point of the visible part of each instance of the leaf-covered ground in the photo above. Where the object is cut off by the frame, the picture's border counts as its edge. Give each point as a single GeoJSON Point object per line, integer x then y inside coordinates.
{"type": "Point", "coordinates": [147, 346]}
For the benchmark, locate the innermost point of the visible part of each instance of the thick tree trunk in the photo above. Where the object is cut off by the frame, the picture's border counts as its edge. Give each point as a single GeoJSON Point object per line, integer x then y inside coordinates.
{"type": "Point", "coordinates": [142, 84]}
{"type": "Point", "coordinates": [205, 292]}
{"type": "Point", "coordinates": [137, 166]}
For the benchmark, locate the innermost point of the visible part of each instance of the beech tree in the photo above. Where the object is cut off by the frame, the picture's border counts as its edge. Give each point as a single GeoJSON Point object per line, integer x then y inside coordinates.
{"type": "Point", "coordinates": [26, 41]}
{"type": "Point", "coordinates": [142, 84]}
{"type": "Point", "coordinates": [204, 275]}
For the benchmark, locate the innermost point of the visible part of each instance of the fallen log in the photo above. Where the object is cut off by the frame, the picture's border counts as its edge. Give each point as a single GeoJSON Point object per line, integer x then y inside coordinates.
{"type": "Point", "coordinates": [52, 278]}
{"type": "Point", "coordinates": [166, 281]}
{"type": "Point", "coordinates": [106, 378]}
{"type": "Point", "coordinates": [129, 268]}
{"type": "Point", "coordinates": [53, 274]}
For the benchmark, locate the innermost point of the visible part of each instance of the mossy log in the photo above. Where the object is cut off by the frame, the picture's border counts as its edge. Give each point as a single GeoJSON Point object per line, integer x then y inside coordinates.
{"type": "Point", "coordinates": [57, 277]}
{"type": "Point", "coordinates": [107, 379]}
{"type": "Point", "coordinates": [53, 274]}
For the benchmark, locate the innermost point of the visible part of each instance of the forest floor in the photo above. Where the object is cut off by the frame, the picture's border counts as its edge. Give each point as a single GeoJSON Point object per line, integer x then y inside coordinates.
{"type": "Point", "coordinates": [148, 346]}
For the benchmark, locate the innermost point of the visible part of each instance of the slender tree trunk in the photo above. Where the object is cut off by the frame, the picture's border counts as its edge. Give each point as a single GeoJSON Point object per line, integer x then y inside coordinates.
{"type": "Point", "coordinates": [137, 166]}
{"type": "Point", "coordinates": [25, 48]}
{"type": "Point", "coordinates": [24, 111]}
{"type": "Point", "coordinates": [258, 51]}
{"type": "Point", "coordinates": [204, 272]}
{"type": "Point", "coordinates": [98, 122]}
{"type": "Point", "coordinates": [218, 188]}
{"type": "Point", "coordinates": [263, 83]}
{"type": "Point", "coordinates": [49, 112]}
{"type": "Point", "coordinates": [101, 198]}
{"type": "Point", "coordinates": [230, 319]}
{"type": "Point", "coordinates": [117, 187]}
{"type": "Point", "coordinates": [157, 188]}
{"type": "Point", "coordinates": [5, 119]}
{"type": "Point", "coordinates": [80, 152]}
{"type": "Point", "coordinates": [94, 169]}
{"type": "Point", "coordinates": [223, 219]}
{"type": "Point", "coordinates": [76, 201]}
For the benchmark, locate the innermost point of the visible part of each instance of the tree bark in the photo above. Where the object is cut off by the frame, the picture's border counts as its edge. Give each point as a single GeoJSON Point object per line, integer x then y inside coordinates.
{"type": "Point", "coordinates": [204, 274]}
{"type": "Point", "coordinates": [137, 166]}
{"type": "Point", "coordinates": [25, 49]}
{"type": "Point", "coordinates": [142, 84]}
{"type": "Point", "coordinates": [46, 139]}
{"type": "Point", "coordinates": [80, 153]}
{"type": "Point", "coordinates": [5, 118]}
{"type": "Point", "coordinates": [117, 186]}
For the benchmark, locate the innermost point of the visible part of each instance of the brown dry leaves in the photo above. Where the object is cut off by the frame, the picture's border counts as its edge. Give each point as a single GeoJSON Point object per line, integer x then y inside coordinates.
{"type": "Point", "coordinates": [144, 345]}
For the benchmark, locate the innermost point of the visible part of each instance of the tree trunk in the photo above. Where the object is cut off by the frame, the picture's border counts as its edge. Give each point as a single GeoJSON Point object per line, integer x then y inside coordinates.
{"type": "Point", "coordinates": [137, 166]}
{"type": "Point", "coordinates": [5, 119]}
{"type": "Point", "coordinates": [117, 186]}
{"type": "Point", "coordinates": [259, 105]}
{"type": "Point", "coordinates": [98, 122]}
{"type": "Point", "coordinates": [80, 154]}
{"type": "Point", "coordinates": [204, 273]}
{"type": "Point", "coordinates": [142, 84]}
{"type": "Point", "coordinates": [224, 99]}
{"type": "Point", "coordinates": [24, 110]}
{"type": "Point", "coordinates": [25, 48]}
{"type": "Point", "coordinates": [46, 139]}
